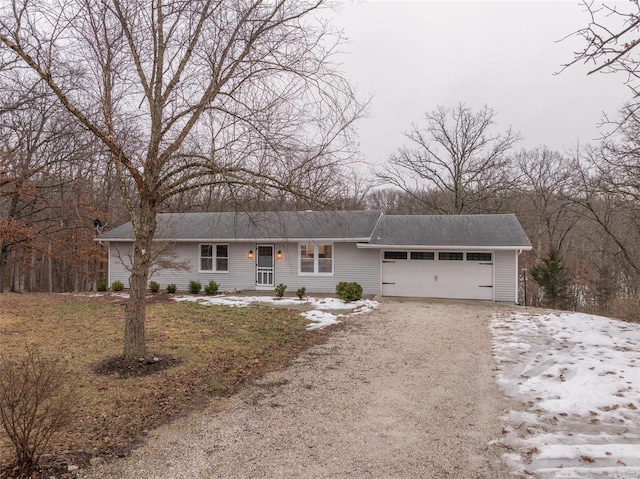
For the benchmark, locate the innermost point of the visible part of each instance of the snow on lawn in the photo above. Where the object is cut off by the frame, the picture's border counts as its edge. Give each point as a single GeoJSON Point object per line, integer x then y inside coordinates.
{"type": "Point", "coordinates": [578, 379]}
{"type": "Point", "coordinates": [103, 295]}
{"type": "Point", "coordinates": [320, 319]}
{"type": "Point", "coordinates": [317, 308]}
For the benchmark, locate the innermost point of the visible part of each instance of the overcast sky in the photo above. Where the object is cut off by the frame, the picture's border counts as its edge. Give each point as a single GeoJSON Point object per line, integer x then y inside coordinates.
{"type": "Point", "coordinates": [414, 56]}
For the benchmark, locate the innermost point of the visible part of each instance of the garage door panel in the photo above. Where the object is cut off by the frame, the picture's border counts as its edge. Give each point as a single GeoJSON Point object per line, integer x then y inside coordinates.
{"type": "Point", "coordinates": [406, 278]}
{"type": "Point", "coordinates": [464, 280]}
{"type": "Point", "coordinates": [438, 279]}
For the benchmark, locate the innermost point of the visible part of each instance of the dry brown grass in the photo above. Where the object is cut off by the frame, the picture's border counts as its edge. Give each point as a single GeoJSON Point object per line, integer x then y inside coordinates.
{"type": "Point", "coordinates": [627, 309]}
{"type": "Point", "coordinates": [214, 349]}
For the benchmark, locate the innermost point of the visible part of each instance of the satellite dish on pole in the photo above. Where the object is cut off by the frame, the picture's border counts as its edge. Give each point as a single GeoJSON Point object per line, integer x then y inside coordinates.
{"type": "Point", "coordinates": [99, 227]}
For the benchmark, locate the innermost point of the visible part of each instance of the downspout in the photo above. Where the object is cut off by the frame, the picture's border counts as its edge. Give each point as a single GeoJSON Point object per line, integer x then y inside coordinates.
{"type": "Point", "coordinates": [380, 256]}
{"type": "Point", "coordinates": [109, 282]}
{"type": "Point", "coordinates": [518, 252]}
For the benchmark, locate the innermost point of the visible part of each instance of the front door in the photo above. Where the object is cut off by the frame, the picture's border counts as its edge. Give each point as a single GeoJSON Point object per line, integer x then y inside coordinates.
{"type": "Point", "coordinates": [264, 266]}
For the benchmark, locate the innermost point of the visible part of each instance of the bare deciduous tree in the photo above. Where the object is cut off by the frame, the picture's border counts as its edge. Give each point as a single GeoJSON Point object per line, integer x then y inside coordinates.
{"type": "Point", "coordinates": [608, 178]}
{"type": "Point", "coordinates": [545, 198]}
{"type": "Point", "coordinates": [611, 40]}
{"type": "Point", "coordinates": [609, 189]}
{"type": "Point", "coordinates": [455, 164]}
{"type": "Point", "coordinates": [240, 93]}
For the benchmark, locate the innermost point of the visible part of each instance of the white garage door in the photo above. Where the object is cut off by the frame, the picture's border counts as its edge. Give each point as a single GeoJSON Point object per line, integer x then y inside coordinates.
{"type": "Point", "coordinates": [427, 274]}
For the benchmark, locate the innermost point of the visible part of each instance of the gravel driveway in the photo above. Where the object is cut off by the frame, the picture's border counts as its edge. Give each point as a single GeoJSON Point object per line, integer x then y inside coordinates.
{"type": "Point", "coordinates": [404, 392]}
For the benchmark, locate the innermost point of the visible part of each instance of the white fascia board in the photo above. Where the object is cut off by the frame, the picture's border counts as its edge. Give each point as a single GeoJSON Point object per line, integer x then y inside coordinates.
{"type": "Point", "coordinates": [262, 240]}
{"type": "Point", "coordinates": [241, 240]}
{"type": "Point", "coordinates": [441, 247]}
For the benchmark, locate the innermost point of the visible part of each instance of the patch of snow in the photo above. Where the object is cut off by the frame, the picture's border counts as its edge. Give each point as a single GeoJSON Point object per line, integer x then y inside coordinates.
{"type": "Point", "coordinates": [320, 319]}
{"type": "Point", "coordinates": [365, 306]}
{"type": "Point", "coordinates": [327, 304]}
{"type": "Point", "coordinates": [214, 300]}
{"type": "Point", "coordinates": [318, 307]}
{"type": "Point", "coordinates": [578, 376]}
{"type": "Point", "coordinates": [106, 294]}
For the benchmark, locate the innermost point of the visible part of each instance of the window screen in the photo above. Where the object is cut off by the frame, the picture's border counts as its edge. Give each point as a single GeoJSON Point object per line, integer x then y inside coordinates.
{"type": "Point", "coordinates": [325, 261]}
{"type": "Point", "coordinates": [206, 257]}
{"type": "Point", "coordinates": [306, 258]}
{"type": "Point", "coordinates": [222, 257]}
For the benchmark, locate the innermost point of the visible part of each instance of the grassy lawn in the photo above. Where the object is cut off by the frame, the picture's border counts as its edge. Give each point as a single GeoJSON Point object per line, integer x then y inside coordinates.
{"type": "Point", "coordinates": [211, 349]}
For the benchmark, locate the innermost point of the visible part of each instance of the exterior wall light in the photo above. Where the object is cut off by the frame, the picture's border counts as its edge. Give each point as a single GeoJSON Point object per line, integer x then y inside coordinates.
{"type": "Point", "coordinates": [250, 255]}
{"type": "Point", "coordinates": [279, 255]}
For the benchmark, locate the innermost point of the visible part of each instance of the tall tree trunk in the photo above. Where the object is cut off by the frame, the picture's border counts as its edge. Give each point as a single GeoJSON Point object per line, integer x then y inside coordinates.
{"type": "Point", "coordinates": [32, 272]}
{"type": "Point", "coordinates": [50, 270]}
{"type": "Point", "coordinates": [18, 274]}
{"type": "Point", "coordinates": [86, 280]}
{"type": "Point", "coordinates": [135, 311]}
{"type": "Point", "coordinates": [3, 260]}
{"type": "Point", "coordinates": [94, 276]}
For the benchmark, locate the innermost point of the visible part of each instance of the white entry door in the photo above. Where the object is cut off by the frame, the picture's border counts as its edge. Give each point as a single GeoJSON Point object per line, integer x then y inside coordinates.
{"type": "Point", "coordinates": [264, 266]}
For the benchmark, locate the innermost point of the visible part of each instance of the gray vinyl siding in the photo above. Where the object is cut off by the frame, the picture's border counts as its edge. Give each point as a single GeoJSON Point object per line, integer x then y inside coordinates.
{"type": "Point", "coordinates": [350, 264]}
{"type": "Point", "coordinates": [240, 276]}
{"type": "Point", "coordinates": [505, 276]}
{"type": "Point", "coordinates": [360, 265]}
{"type": "Point", "coordinates": [119, 255]}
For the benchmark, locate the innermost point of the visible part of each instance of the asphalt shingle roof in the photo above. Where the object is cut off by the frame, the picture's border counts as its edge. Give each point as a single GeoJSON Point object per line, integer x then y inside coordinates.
{"type": "Point", "coordinates": [286, 225]}
{"type": "Point", "coordinates": [450, 230]}
{"type": "Point", "coordinates": [362, 226]}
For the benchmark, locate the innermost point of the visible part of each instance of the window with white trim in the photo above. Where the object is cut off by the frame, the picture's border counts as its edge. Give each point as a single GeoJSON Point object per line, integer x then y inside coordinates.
{"type": "Point", "coordinates": [316, 258]}
{"type": "Point", "coordinates": [478, 256]}
{"type": "Point", "coordinates": [422, 255]}
{"type": "Point", "coordinates": [214, 258]}
{"type": "Point", "coordinates": [395, 255]}
{"type": "Point", "coordinates": [449, 256]}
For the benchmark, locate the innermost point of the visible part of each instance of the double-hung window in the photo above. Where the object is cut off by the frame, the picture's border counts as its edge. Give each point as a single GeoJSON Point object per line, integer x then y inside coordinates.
{"type": "Point", "coordinates": [316, 258]}
{"type": "Point", "coordinates": [214, 258]}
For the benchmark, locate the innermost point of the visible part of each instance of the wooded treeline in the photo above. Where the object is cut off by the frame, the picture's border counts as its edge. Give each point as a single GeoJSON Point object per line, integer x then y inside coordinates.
{"type": "Point", "coordinates": [583, 205]}
{"type": "Point", "coordinates": [51, 190]}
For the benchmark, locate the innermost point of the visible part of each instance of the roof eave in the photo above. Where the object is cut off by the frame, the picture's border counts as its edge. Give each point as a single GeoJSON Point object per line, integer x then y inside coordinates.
{"type": "Point", "coordinates": [240, 240]}
{"type": "Point", "coordinates": [445, 247]}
